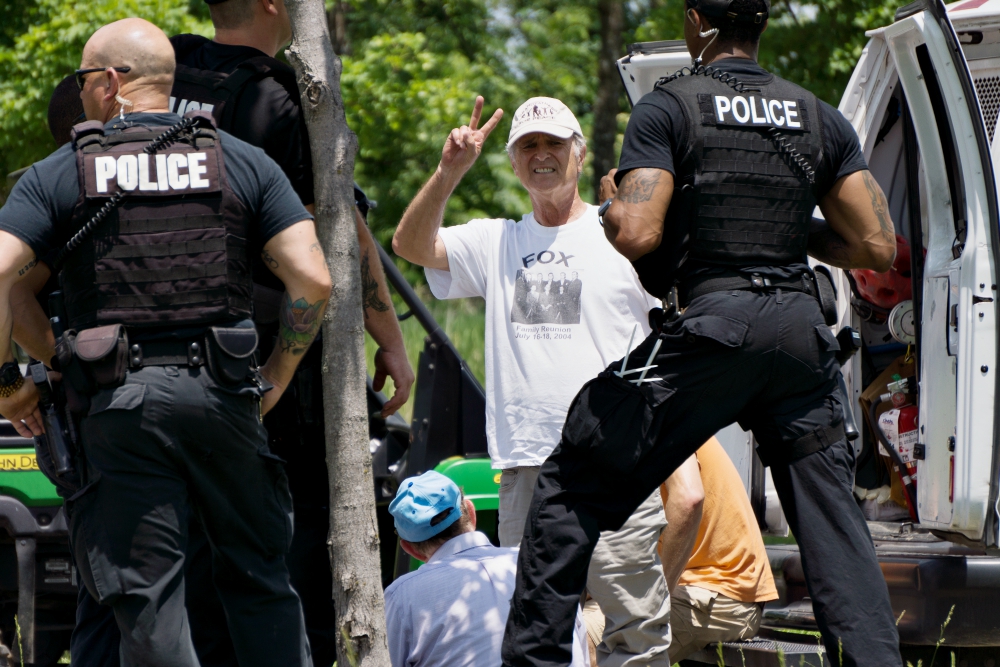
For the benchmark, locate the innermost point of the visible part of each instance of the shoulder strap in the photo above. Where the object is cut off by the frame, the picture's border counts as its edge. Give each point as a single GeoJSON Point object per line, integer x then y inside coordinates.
{"type": "Point", "coordinates": [252, 69]}
{"type": "Point", "coordinates": [86, 132]}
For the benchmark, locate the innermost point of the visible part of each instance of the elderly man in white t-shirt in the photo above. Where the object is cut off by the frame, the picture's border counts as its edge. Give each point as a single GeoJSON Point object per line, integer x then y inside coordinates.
{"type": "Point", "coordinates": [541, 346]}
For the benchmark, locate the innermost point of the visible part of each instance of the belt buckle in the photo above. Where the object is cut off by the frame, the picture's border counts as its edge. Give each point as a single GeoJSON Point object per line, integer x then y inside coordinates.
{"type": "Point", "coordinates": [758, 281]}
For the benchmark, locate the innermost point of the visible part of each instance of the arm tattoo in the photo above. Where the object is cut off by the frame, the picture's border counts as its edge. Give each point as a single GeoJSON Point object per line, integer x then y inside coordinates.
{"type": "Point", "coordinates": [828, 246]}
{"type": "Point", "coordinates": [27, 267]}
{"type": "Point", "coordinates": [637, 186]}
{"type": "Point", "coordinates": [369, 289]}
{"type": "Point", "coordinates": [315, 248]}
{"type": "Point", "coordinates": [880, 206]}
{"type": "Point", "coordinates": [300, 322]}
{"type": "Point", "coordinates": [270, 261]}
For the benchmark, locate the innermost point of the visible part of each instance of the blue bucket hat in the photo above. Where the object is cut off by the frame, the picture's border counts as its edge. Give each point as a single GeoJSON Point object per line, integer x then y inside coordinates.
{"type": "Point", "coordinates": [420, 499]}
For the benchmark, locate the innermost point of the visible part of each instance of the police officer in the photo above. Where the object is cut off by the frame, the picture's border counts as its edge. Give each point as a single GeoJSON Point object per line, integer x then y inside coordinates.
{"type": "Point", "coordinates": [158, 293]}
{"type": "Point", "coordinates": [255, 97]}
{"type": "Point", "coordinates": [720, 170]}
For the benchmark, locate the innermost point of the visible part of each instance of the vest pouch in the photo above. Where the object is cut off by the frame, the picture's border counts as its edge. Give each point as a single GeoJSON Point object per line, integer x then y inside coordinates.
{"type": "Point", "coordinates": [77, 380]}
{"type": "Point", "coordinates": [230, 353]}
{"type": "Point", "coordinates": [104, 351]}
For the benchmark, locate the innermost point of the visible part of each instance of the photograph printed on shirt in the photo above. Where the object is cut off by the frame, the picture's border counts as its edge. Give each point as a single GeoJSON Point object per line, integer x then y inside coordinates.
{"type": "Point", "coordinates": [546, 297]}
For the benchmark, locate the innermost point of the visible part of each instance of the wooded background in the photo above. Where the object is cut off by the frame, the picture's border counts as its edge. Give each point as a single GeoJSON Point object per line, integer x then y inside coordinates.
{"type": "Point", "coordinates": [412, 69]}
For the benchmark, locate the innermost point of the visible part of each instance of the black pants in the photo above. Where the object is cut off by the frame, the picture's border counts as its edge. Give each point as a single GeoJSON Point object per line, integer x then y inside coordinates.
{"type": "Point", "coordinates": [765, 360]}
{"type": "Point", "coordinates": [168, 443]}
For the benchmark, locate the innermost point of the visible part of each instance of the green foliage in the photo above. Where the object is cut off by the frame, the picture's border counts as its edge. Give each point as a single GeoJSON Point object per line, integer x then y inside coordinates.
{"type": "Point", "coordinates": [41, 43]}
{"type": "Point", "coordinates": [815, 44]}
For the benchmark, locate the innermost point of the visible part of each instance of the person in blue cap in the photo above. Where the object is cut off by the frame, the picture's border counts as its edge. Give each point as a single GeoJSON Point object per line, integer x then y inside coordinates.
{"type": "Point", "coordinates": [451, 611]}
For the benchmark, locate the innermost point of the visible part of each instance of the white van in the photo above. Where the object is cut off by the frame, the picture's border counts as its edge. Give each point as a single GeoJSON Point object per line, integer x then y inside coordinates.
{"type": "Point", "coordinates": [924, 100]}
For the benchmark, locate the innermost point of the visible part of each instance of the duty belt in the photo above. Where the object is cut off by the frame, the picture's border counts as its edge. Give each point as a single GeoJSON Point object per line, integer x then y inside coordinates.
{"type": "Point", "coordinates": [166, 353]}
{"type": "Point", "coordinates": [697, 286]}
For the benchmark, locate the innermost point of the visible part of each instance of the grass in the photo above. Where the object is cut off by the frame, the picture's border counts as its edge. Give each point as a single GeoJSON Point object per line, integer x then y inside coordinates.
{"type": "Point", "coordinates": [463, 320]}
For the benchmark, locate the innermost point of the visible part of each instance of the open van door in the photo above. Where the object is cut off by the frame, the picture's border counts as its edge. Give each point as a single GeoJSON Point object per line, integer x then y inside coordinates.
{"type": "Point", "coordinates": [953, 209]}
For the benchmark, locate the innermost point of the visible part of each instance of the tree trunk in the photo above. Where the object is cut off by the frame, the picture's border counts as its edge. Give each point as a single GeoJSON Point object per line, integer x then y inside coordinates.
{"type": "Point", "coordinates": [602, 142]}
{"type": "Point", "coordinates": [353, 540]}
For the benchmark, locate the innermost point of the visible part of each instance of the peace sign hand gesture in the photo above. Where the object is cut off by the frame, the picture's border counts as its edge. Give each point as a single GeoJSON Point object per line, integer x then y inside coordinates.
{"type": "Point", "coordinates": [465, 143]}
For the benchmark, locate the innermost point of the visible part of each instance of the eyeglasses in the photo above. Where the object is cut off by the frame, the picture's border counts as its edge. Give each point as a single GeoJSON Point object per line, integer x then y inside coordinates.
{"type": "Point", "coordinates": [81, 72]}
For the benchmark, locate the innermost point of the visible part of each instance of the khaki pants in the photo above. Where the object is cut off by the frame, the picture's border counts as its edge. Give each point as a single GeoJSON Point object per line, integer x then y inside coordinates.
{"type": "Point", "coordinates": [625, 576]}
{"type": "Point", "coordinates": [699, 617]}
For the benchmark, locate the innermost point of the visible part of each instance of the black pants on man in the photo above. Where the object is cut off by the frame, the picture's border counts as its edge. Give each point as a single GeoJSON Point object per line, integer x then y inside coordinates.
{"type": "Point", "coordinates": [765, 359]}
{"type": "Point", "coordinates": [168, 442]}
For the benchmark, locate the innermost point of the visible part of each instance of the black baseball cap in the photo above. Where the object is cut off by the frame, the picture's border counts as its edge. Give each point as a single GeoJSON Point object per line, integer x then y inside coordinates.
{"type": "Point", "coordinates": [721, 9]}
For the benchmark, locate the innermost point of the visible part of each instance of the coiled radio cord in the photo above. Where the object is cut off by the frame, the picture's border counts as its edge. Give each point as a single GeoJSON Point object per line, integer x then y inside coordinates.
{"type": "Point", "coordinates": [166, 137]}
{"type": "Point", "coordinates": [781, 142]}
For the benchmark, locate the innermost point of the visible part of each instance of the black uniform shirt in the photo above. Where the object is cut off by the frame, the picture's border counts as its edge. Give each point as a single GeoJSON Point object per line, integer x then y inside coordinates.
{"type": "Point", "coordinates": [40, 207]}
{"type": "Point", "coordinates": [657, 134]}
{"type": "Point", "coordinates": [268, 112]}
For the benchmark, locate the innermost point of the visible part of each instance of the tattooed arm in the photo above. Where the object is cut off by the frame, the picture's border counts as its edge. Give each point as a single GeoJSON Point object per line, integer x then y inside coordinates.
{"type": "Point", "coordinates": [634, 223]}
{"type": "Point", "coordinates": [381, 323]}
{"type": "Point", "coordinates": [303, 270]}
{"type": "Point", "coordinates": [860, 233]}
{"type": "Point", "coordinates": [16, 261]}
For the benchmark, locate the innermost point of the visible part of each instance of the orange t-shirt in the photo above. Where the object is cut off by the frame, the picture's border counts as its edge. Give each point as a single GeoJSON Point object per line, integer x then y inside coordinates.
{"type": "Point", "coordinates": [728, 555]}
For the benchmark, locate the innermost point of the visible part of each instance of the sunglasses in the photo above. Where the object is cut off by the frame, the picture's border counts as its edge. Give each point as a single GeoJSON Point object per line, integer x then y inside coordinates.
{"type": "Point", "coordinates": [81, 72]}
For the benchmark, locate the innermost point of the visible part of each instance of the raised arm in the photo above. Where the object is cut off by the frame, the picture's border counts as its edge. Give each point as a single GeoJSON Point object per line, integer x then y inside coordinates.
{"type": "Point", "coordinates": [684, 498]}
{"type": "Point", "coordinates": [634, 223]}
{"type": "Point", "coordinates": [859, 233]}
{"type": "Point", "coordinates": [416, 238]}
{"type": "Point", "coordinates": [297, 259]}
{"type": "Point", "coordinates": [16, 260]}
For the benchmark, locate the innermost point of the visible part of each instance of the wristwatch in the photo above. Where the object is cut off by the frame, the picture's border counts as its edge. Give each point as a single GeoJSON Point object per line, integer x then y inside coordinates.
{"type": "Point", "coordinates": [604, 209]}
{"type": "Point", "coordinates": [10, 379]}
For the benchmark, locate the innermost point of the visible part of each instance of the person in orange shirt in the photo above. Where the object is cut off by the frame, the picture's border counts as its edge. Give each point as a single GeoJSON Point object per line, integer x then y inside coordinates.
{"type": "Point", "coordinates": [713, 555]}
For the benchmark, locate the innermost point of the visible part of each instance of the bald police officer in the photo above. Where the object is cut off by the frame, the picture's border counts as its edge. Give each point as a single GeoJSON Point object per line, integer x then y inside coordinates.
{"type": "Point", "coordinates": [158, 291]}
{"type": "Point", "coordinates": [720, 171]}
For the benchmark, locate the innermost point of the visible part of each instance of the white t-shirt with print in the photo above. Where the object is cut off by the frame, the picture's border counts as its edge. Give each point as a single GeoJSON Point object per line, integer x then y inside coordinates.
{"type": "Point", "coordinates": [561, 304]}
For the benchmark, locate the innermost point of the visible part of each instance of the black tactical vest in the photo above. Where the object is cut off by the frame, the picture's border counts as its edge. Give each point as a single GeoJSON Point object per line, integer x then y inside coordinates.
{"type": "Point", "coordinates": [746, 201]}
{"type": "Point", "coordinates": [206, 90]}
{"type": "Point", "coordinates": [174, 253]}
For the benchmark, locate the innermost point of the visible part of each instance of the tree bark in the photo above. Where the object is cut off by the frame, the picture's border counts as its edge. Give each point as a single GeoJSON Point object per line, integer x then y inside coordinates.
{"type": "Point", "coordinates": [611, 17]}
{"type": "Point", "coordinates": [353, 539]}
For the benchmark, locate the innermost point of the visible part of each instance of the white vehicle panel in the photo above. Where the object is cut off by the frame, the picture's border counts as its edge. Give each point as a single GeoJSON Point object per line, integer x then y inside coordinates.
{"type": "Point", "coordinates": [963, 408]}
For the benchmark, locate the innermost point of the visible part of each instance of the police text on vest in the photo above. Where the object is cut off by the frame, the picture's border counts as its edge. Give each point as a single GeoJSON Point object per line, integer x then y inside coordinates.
{"type": "Point", "coordinates": [757, 111]}
{"type": "Point", "coordinates": [133, 171]}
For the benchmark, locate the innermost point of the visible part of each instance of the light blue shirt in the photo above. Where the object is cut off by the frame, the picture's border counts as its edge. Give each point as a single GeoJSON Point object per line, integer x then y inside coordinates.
{"type": "Point", "coordinates": [453, 610]}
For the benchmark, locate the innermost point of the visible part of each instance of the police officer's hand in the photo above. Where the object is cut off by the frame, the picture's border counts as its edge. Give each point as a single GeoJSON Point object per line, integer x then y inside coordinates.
{"type": "Point", "coordinates": [608, 187]}
{"type": "Point", "coordinates": [22, 410]}
{"type": "Point", "coordinates": [465, 143]}
{"type": "Point", "coordinates": [394, 364]}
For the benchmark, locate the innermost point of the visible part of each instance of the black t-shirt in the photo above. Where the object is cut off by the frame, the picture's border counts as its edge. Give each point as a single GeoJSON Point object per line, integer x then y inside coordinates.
{"type": "Point", "coordinates": [40, 207]}
{"type": "Point", "coordinates": [657, 133]}
{"type": "Point", "coordinates": [268, 111]}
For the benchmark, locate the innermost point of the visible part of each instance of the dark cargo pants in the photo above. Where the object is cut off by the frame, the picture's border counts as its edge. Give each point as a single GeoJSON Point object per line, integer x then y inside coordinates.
{"type": "Point", "coordinates": [168, 442]}
{"type": "Point", "coordinates": [765, 359]}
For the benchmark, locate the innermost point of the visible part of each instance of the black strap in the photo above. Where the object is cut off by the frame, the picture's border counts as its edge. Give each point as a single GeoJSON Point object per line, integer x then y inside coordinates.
{"type": "Point", "coordinates": [166, 353]}
{"type": "Point", "coordinates": [751, 144]}
{"type": "Point", "coordinates": [697, 286]}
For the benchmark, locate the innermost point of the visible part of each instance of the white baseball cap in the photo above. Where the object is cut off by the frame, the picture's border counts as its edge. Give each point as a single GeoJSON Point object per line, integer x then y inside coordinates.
{"type": "Point", "coordinates": [544, 114]}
